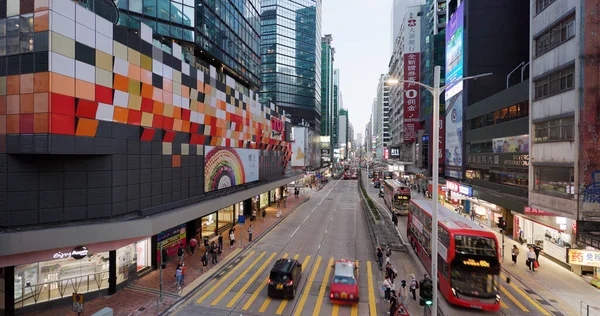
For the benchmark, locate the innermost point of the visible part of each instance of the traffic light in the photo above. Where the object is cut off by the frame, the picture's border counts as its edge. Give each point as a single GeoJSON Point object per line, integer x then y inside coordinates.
{"type": "Point", "coordinates": [164, 257]}
{"type": "Point", "coordinates": [426, 292]}
{"type": "Point", "coordinates": [501, 223]}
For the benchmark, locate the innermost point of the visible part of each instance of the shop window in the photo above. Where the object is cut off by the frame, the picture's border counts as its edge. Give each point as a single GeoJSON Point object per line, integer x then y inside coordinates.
{"type": "Point", "coordinates": [554, 130]}
{"type": "Point", "coordinates": [554, 180]}
{"type": "Point", "coordinates": [143, 253]}
{"type": "Point", "coordinates": [126, 263]}
{"type": "Point", "coordinates": [225, 216]}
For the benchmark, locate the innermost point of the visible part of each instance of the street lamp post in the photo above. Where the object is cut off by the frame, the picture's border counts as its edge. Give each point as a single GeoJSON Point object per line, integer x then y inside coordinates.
{"type": "Point", "coordinates": [435, 91]}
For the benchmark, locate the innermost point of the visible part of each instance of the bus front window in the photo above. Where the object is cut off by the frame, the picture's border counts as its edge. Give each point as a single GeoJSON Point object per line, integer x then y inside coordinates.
{"type": "Point", "coordinates": [474, 284]}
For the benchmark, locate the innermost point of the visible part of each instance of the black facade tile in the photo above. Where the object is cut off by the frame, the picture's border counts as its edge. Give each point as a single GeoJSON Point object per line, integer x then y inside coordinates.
{"type": "Point", "coordinates": [146, 48]}
{"type": "Point", "coordinates": [41, 41]}
{"type": "Point", "coordinates": [51, 181]}
{"type": "Point", "coordinates": [133, 191]}
{"type": "Point", "coordinates": [2, 66]}
{"type": "Point", "coordinates": [3, 183]}
{"type": "Point", "coordinates": [185, 184]}
{"type": "Point", "coordinates": [133, 132]}
{"type": "Point", "coordinates": [156, 188]}
{"type": "Point", "coordinates": [156, 161]}
{"type": "Point", "coordinates": [176, 185]}
{"type": "Point", "coordinates": [167, 197]}
{"type": "Point", "coordinates": [102, 146]}
{"type": "Point", "coordinates": [156, 174]}
{"type": "Point", "coordinates": [133, 147]}
{"type": "Point", "coordinates": [145, 161]}
{"type": "Point", "coordinates": [167, 59]}
{"type": "Point", "coordinates": [145, 148]}
{"type": "Point", "coordinates": [84, 145]}
{"type": "Point", "coordinates": [119, 146]}
{"type": "Point", "coordinates": [156, 199]}
{"type": "Point", "coordinates": [99, 179]}
{"type": "Point", "coordinates": [119, 208]}
{"type": "Point", "coordinates": [21, 201]}
{"type": "Point", "coordinates": [74, 163]}
{"type": "Point", "coordinates": [185, 194]}
{"type": "Point", "coordinates": [62, 144]}
{"type": "Point", "coordinates": [75, 197]}
{"type": "Point", "coordinates": [176, 148]}
{"type": "Point", "coordinates": [27, 64]}
{"type": "Point", "coordinates": [40, 144]}
{"type": "Point", "coordinates": [133, 161]}
{"type": "Point", "coordinates": [13, 65]}
{"type": "Point", "coordinates": [41, 63]}
{"type": "Point", "coordinates": [119, 194]}
{"type": "Point", "coordinates": [120, 34]}
{"type": "Point", "coordinates": [75, 213]}
{"type": "Point", "coordinates": [85, 54]}
{"type": "Point", "coordinates": [157, 81]}
{"type": "Point", "coordinates": [167, 161]}
{"type": "Point", "coordinates": [99, 163]}
{"type": "Point", "coordinates": [157, 138]}
{"type": "Point", "coordinates": [175, 173]}
{"type": "Point", "coordinates": [26, 144]}
{"type": "Point", "coordinates": [145, 175]}
{"type": "Point", "coordinates": [51, 215]}
{"type": "Point", "coordinates": [166, 174]}
{"type": "Point", "coordinates": [119, 178]}
{"type": "Point", "coordinates": [119, 162]}
{"type": "Point", "coordinates": [104, 129]}
{"type": "Point", "coordinates": [99, 211]}
{"type": "Point", "coordinates": [157, 146]}
{"type": "Point", "coordinates": [119, 130]}
{"type": "Point", "coordinates": [145, 203]}
{"type": "Point", "coordinates": [99, 196]}
{"type": "Point", "coordinates": [146, 190]}
{"type": "Point", "coordinates": [166, 186]}
{"type": "Point", "coordinates": [133, 176]}
{"type": "Point", "coordinates": [75, 179]}
{"type": "Point", "coordinates": [176, 195]}
{"type": "Point", "coordinates": [133, 205]}
{"type": "Point", "coordinates": [133, 40]}
{"type": "Point", "coordinates": [22, 181]}
{"type": "Point", "coordinates": [26, 217]}
{"type": "Point", "coordinates": [52, 199]}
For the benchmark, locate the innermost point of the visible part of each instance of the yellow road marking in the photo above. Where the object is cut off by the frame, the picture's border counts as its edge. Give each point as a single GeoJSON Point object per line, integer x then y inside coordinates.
{"type": "Point", "coordinates": [309, 283]}
{"type": "Point", "coordinates": [213, 288]}
{"type": "Point", "coordinates": [354, 311]}
{"type": "Point", "coordinates": [503, 305]}
{"type": "Point", "coordinates": [247, 285]}
{"type": "Point", "coordinates": [322, 290]}
{"type": "Point", "coordinates": [284, 302]}
{"type": "Point", "coordinates": [178, 309]}
{"type": "Point", "coordinates": [529, 299]}
{"type": "Point", "coordinates": [372, 305]}
{"type": "Point", "coordinates": [512, 298]}
{"type": "Point", "coordinates": [237, 280]}
{"type": "Point", "coordinates": [336, 309]}
{"type": "Point", "coordinates": [266, 303]}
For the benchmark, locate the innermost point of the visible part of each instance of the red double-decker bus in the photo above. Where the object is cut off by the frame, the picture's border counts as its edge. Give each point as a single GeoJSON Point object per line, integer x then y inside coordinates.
{"type": "Point", "coordinates": [396, 196]}
{"type": "Point", "coordinates": [468, 256]}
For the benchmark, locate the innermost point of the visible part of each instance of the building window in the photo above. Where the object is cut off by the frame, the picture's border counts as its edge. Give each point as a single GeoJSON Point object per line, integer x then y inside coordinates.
{"type": "Point", "coordinates": [513, 112]}
{"type": "Point", "coordinates": [542, 4]}
{"type": "Point", "coordinates": [554, 130]}
{"type": "Point", "coordinates": [555, 83]}
{"type": "Point", "coordinates": [556, 35]}
{"type": "Point", "coordinates": [554, 180]}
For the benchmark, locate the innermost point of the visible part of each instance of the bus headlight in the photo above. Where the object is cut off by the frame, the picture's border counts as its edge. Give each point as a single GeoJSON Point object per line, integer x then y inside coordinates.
{"type": "Point", "coordinates": [497, 298]}
{"type": "Point", "coordinates": [454, 293]}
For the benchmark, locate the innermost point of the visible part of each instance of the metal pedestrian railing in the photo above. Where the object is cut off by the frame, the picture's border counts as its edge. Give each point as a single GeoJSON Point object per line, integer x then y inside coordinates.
{"type": "Point", "coordinates": [586, 309]}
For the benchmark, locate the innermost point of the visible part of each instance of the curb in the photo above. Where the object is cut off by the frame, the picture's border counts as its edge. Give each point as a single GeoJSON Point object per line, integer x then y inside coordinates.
{"type": "Point", "coordinates": [226, 262]}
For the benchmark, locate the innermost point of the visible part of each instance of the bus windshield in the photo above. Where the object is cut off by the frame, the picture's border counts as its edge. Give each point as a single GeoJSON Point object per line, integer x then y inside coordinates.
{"type": "Point", "coordinates": [472, 283]}
{"type": "Point", "coordinates": [475, 245]}
{"type": "Point", "coordinates": [401, 201]}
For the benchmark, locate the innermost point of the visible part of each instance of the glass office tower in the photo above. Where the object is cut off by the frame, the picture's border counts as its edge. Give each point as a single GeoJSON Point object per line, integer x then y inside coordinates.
{"type": "Point", "coordinates": [226, 32]}
{"type": "Point", "coordinates": [291, 58]}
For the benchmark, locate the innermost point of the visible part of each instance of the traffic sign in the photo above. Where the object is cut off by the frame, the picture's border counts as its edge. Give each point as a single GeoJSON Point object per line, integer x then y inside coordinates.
{"type": "Point", "coordinates": [78, 303]}
{"type": "Point", "coordinates": [241, 219]}
{"type": "Point", "coordinates": [401, 311]}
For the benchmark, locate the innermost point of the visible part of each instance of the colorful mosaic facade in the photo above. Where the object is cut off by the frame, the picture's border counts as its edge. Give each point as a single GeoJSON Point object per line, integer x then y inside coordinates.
{"type": "Point", "coordinates": [86, 87]}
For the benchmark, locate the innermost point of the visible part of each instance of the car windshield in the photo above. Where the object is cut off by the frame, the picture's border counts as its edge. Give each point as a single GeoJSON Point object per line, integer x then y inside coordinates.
{"type": "Point", "coordinates": [338, 279]}
{"type": "Point", "coordinates": [476, 284]}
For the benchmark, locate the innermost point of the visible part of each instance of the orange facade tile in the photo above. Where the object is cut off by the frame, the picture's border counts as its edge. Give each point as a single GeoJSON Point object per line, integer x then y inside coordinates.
{"type": "Point", "coordinates": [12, 123]}
{"type": "Point", "coordinates": [85, 90]}
{"type": "Point", "coordinates": [134, 72]}
{"type": "Point", "coordinates": [2, 124]}
{"type": "Point", "coordinates": [40, 102]}
{"type": "Point", "coordinates": [120, 115]}
{"type": "Point", "coordinates": [12, 104]}
{"type": "Point", "coordinates": [12, 84]}
{"type": "Point", "coordinates": [147, 90]}
{"type": "Point", "coordinates": [40, 123]}
{"type": "Point", "coordinates": [146, 76]}
{"type": "Point", "coordinates": [185, 126]}
{"type": "Point", "coordinates": [40, 5]}
{"type": "Point", "coordinates": [86, 127]}
{"type": "Point", "coordinates": [41, 82]}
{"type": "Point", "coordinates": [200, 86]}
{"type": "Point", "coordinates": [26, 83]}
{"type": "Point", "coordinates": [26, 103]}
{"type": "Point", "coordinates": [3, 105]}
{"type": "Point", "coordinates": [158, 108]}
{"type": "Point", "coordinates": [120, 83]}
{"type": "Point", "coordinates": [157, 94]}
{"type": "Point", "coordinates": [40, 21]}
{"type": "Point", "coordinates": [167, 85]}
{"type": "Point", "coordinates": [177, 125]}
{"type": "Point", "coordinates": [176, 112]}
{"type": "Point", "coordinates": [167, 97]}
{"type": "Point", "coordinates": [176, 161]}
{"type": "Point", "coordinates": [185, 92]}
{"type": "Point", "coordinates": [62, 84]}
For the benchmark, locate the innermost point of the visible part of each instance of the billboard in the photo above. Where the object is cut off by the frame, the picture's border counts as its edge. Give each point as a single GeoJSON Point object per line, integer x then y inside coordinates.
{"type": "Point", "coordinates": [411, 60]}
{"type": "Point", "coordinates": [394, 152]}
{"type": "Point", "coordinates": [442, 143]}
{"type": "Point", "coordinates": [313, 148]}
{"type": "Point", "coordinates": [514, 144]}
{"type": "Point", "coordinates": [226, 167]}
{"type": "Point", "coordinates": [454, 52]}
{"type": "Point", "coordinates": [299, 157]}
{"type": "Point", "coordinates": [453, 96]}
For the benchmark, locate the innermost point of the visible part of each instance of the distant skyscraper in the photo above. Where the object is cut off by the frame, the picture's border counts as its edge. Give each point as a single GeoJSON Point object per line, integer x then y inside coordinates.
{"type": "Point", "coordinates": [291, 59]}
{"type": "Point", "coordinates": [336, 106]}
{"type": "Point", "coordinates": [327, 58]}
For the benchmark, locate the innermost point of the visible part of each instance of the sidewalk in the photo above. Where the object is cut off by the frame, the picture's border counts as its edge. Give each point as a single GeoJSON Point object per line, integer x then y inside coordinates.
{"type": "Point", "coordinates": [141, 296]}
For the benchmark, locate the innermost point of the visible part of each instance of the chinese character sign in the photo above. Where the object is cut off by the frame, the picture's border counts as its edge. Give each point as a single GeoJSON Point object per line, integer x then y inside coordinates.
{"type": "Point", "coordinates": [412, 31]}
{"type": "Point", "coordinates": [584, 257]}
{"type": "Point", "coordinates": [411, 96]}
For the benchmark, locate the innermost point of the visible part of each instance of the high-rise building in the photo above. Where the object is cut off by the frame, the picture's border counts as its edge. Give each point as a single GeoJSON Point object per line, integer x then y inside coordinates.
{"type": "Point", "coordinates": [380, 115]}
{"type": "Point", "coordinates": [327, 59]}
{"type": "Point", "coordinates": [397, 17]}
{"type": "Point", "coordinates": [130, 138]}
{"type": "Point", "coordinates": [335, 108]}
{"type": "Point", "coordinates": [291, 59]}
{"type": "Point", "coordinates": [343, 133]}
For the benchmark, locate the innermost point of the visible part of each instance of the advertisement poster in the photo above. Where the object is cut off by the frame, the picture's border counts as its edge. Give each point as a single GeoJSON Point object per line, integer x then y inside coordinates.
{"type": "Point", "coordinates": [454, 131]}
{"type": "Point", "coordinates": [312, 149]}
{"type": "Point", "coordinates": [170, 240]}
{"type": "Point", "coordinates": [299, 147]}
{"type": "Point", "coordinates": [226, 166]}
{"type": "Point", "coordinates": [411, 96]}
{"type": "Point", "coordinates": [514, 144]}
{"type": "Point", "coordinates": [454, 52]}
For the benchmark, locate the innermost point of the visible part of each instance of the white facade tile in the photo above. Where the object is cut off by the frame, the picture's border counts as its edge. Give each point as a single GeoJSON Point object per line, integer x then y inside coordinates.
{"type": "Point", "coordinates": [104, 27]}
{"type": "Point", "coordinates": [185, 69]}
{"type": "Point", "coordinates": [121, 67]}
{"type": "Point", "coordinates": [62, 25]}
{"type": "Point", "coordinates": [167, 72]}
{"type": "Point", "coordinates": [146, 33]}
{"type": "Point", "coordinates": [121, 98]}
{"type": "Point", "coordinates": [62, 65]}
{"type": "Point", "coordinates": [105, 112]}
{"type": "Point", "coordinates": [64, 7]}
{"type": "Point", "coordinates": [85, 17]}
{"type": "Point", "coordinates": [85, 35]}
{"type": "Point", "coordinates": [104, 43]}
{"type": "Point", "coordinates": [176, 51]}
{"type": "Point", "coordinates": [157, 67]}
{"type": "Point", "coordinates": [85, 72]}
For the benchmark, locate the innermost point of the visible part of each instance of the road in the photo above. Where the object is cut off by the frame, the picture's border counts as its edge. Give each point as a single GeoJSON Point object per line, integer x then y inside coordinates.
{"type": "Point", "coordinates": [517, 298]}
{"type": "Point", "coordinates": [328, 226]}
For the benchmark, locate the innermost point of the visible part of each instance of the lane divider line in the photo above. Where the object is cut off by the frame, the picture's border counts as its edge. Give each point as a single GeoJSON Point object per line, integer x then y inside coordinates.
{"type": "Point", "coordinates": [512, 298]}
{"type": "Point", "coordinates": [213, 288]}
{"type": "Point", "coordinates": [529, 299]}
{"type": "Point", "coordinates": [284, 302]}
{"type": "Point", "coordinates": [252, 279]}
{"type": "Point", "coordinates": [237, 280]}
{"type": "Point", "coordinates": [307, 286]}
{"type": "Point", "coordinates": [267, 301]}
{"type": "Point", "coordinates": [323, 287]}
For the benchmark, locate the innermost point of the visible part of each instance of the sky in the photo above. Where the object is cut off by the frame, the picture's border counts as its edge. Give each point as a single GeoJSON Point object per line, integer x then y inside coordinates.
{"type": "Point", "coordinates": [361, 37]}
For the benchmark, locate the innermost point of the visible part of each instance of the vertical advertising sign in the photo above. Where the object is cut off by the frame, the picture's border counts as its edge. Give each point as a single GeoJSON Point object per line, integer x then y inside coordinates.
{"type": "Point", "coordinates": [441, 148]}
{"type": "Point", "coordinates": [411, 50]}
{"type": "Point", "coordinates": [453, 95]}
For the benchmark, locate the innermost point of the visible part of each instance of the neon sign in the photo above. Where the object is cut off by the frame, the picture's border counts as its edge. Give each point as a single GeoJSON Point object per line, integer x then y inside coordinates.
{"type": "Point", "coordinates": [473, 263]}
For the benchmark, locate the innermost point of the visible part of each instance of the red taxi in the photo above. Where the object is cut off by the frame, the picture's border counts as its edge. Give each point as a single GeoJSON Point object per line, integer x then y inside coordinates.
{"type": "Point", "coordinates": [344, 283]}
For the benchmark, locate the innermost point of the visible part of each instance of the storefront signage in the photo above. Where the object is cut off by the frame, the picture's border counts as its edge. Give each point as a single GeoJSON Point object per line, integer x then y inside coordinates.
{"type": "Point", "coordinates": [79, 252]}
{"type": "Point", "coordinates": [170, 239]}
{"type": "Point", "coordinates": [505, 159]}
{"type": "Point", "coordinates": [474, 263]}
{"type": "Point", "coordinates": [277, 125]}
{"type": "Point", "coordinates": [591, 194]}
{"type": "Point", "coordinates": [395, 152]}
{"type": "Point", "coordinates": [386, 153]}
{"type": "Point", "coordinates": [452, 186]}
{"type": "Point", "coordinates": [537, 212]}
{"type": "Point", "coordinates": [584, 257]}
{"type": "Point", "coordinates": [459, 188]}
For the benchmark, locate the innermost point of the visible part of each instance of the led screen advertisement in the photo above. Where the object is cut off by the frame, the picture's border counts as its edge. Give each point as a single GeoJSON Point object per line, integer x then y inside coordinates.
{"type": "Point", "coordinates": [226, 167]}
{"type": "Point", "coordinates": [454, 96]}
{"type": "Point", "coordinates": [513, 144]}
{"type": "Point", "coordinates": [299, 147]}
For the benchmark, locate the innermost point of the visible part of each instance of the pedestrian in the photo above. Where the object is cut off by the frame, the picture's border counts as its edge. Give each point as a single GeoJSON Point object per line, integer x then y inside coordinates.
{"type": "Point", "coordinates": [183, 270]}
{"type": "Point", "coordinates": [264, 215]}
{"type": "Point", "coordinates": [220, 240]}
{"type": "Point", "coordinates": [515, 253]}
{"type": "Point", "coordinates": [387, 260]}
{"type": "Point", "coordinates": [531, 259]}
{"type": "Point", "coordinates": [250, 233]}
{"type": "Point", "coordinates": [537, 250]}
{"type": "Point", "coordinates": [178, 278]}
{"type": "Point", "coordinates": [232, 238]}
{"type": "Point", "coordinates": [193, 244]}
{"type": "Point", "coordinates": [379, 256]}
{"type": "Point", "coordinates": [393, 302]}
{"type": "Point", "coordinates": [414, 286]}
{"type": "Point", "coordinates": [387, 288]}
{"type": "Point", "coordinates": [253, 218]}
{"type": "Point", "coordinates": [472, 215]}
{"type": "Point", "coordinates": [204, 259]}
{"type": "Point", "coordinates": [521, 236]}
{"type": "Point", "coordinates": [388, 250]}
{"type": "Point", "coordinates": [402, 291]}
{"type": "Point", "coordinates": [213, 253]}
{"type": "Point", "coordinates": [180, 253]}
{"type": "Point", "coordinates": [395, 219]}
